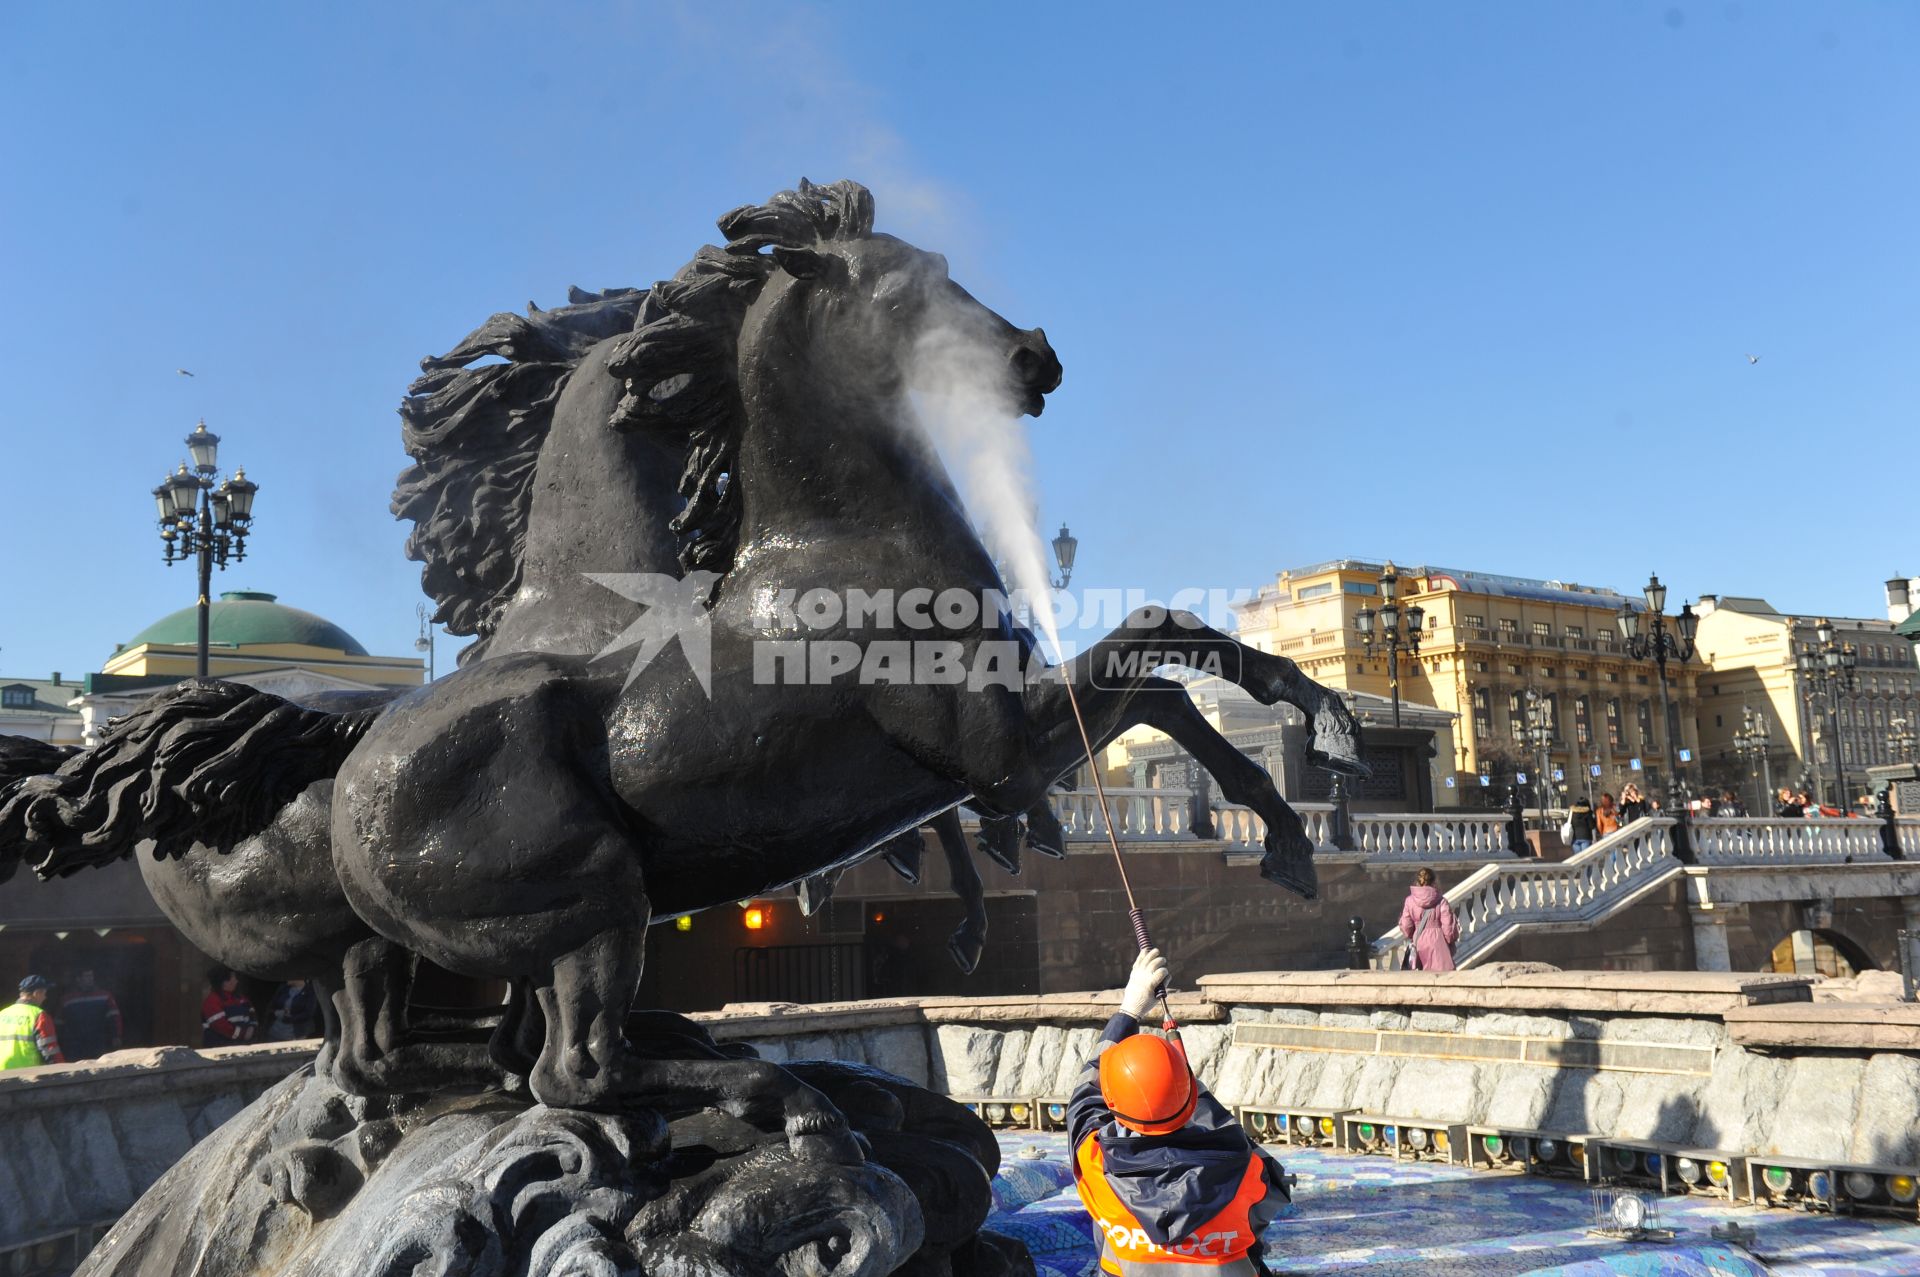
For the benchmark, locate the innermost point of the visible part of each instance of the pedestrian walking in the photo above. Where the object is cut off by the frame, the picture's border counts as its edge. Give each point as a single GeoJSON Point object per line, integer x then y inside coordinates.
{"type": "Point", "coordinates": [1606, 817]}
{"type": "Point", "coordinates": [1427, 921]}
{"type": "Point", "coordinates": [1579, 829]}
{"type": "Point", "coordinates": [1170, 1178]}
{"type": "Point", "coordinates": [27, 1036]}
{"type": "Point", "coordinates": [90, 1023]}
{"type": "Point", "coordinates": [226, 1016]}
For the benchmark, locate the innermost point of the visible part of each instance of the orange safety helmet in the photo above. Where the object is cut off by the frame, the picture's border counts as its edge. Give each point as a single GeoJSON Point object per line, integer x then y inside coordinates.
{"type": "Point", "coordinates": [1148, 1084]}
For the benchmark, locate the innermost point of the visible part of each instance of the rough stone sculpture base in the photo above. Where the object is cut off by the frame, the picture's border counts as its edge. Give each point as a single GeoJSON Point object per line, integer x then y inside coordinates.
{"type": "Point", "coordinates": [312, 1182]}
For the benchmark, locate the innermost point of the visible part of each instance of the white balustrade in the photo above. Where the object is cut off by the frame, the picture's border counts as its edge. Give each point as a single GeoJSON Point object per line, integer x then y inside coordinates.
{"type": "Point", "coordinates": [1803, 841]}
{"type": "Point", "coordinates": [1431, 835]}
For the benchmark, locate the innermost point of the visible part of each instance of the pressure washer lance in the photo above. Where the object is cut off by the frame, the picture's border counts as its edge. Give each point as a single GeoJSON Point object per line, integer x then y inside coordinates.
{"type": "Point", "coordinates": [1139, 919]}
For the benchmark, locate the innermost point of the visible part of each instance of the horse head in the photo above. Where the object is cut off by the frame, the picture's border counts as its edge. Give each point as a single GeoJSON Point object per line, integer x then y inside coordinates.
{"type": "Point", "coordinates": [881, 316]}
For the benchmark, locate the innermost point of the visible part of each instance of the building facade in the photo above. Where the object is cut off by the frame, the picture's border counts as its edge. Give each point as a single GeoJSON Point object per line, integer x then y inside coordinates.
{"type": "Point", "coordinates": [1751, 652]}
{"type": "Point", "coordinates": [1486, 641]}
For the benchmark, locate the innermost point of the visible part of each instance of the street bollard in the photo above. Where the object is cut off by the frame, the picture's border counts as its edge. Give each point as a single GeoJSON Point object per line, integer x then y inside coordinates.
{"type": "Point", "coordinates": [1359, 948]}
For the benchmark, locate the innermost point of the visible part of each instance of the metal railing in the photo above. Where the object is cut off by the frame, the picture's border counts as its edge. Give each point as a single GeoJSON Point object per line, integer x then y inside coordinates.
{"type": "Point", "coordinates": [800, 973]}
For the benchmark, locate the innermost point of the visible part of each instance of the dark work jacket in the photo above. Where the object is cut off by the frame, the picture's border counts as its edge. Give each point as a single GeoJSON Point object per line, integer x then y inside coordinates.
{"type": "Point", "coordinates": [1172, 1183]}
{"type": "Point", "coordinates": [1581, 818]}
{"type": "Point", "coordinates": [1630, 812]}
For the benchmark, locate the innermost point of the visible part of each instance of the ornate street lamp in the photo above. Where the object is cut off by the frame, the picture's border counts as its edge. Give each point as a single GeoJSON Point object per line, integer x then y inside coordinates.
{"type": "Point", "coordinates": [1536, 738]}
{"type": "Point", "coordinates": [1659, 644]}
{"type": "Point", "coordinates": [1065, 547]}
{"type": "Point", "coordinates": [1827, 668]}
{"type": "Point", "coordinates": [1752, 742]}
{"type": "Point", "coordinates": [1900, 741]}
{"type": "Point", "coordinates": [1397, 629]}
{"type": "Point", "coordinates": [201, 518]}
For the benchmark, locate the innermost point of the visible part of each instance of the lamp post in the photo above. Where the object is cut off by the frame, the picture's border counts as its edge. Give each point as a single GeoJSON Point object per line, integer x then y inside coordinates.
{"type": "Point", "coordinates": [1827, 666]}
{"type": "Point", "coordinates": [204, 519]}
{"type": "Point", "coordinates": [1398, 629]}
{"type": "Point", "coordinates": [1536, 738]}
{"type": "Point", "coordinates": [1900, 741]}
{"type": "Point", "coordinates": [1660, 644]}
{"type": "Point", "coordinates": [1751, 742]}
{"type": "Point", "coordinates": [1065, 547]}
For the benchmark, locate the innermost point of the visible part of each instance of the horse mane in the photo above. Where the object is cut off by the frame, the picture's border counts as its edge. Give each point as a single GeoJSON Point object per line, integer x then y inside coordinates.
{"type": "Point", "coordinates": [204, 761]}
{"type": "Point", "coordinates": [475, 434]}
{"type": "Point", "coordinates": [680, 362]}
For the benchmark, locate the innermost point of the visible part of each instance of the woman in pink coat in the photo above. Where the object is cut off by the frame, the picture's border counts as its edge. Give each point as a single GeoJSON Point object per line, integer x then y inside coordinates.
{"type": "Point", "coordinates": [1427, 921]}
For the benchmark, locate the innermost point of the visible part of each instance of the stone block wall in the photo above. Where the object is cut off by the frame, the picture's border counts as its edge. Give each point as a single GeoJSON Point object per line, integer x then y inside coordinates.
{"type": "Point", "coordinates": [83, 1141]}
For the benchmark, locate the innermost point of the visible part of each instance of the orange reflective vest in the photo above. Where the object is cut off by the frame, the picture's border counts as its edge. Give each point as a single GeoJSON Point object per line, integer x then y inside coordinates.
{"type": "Point", "coordinates": [1220, 1243]}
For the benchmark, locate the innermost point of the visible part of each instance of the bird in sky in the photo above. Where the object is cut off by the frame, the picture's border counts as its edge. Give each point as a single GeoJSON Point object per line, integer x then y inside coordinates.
{"type": "Point", "coordinates": [183, 372]}
{"type": "Point", "coordinates": [1752, 359]}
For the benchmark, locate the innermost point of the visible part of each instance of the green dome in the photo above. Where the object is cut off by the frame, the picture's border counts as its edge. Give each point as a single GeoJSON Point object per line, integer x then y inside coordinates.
{"type": "Point", "coordinates": [249, 618]}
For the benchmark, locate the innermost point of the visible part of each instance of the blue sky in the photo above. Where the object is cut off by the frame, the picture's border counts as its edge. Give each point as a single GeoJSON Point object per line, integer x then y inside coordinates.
{"type": "Point", "coordinates": [1473, 284]}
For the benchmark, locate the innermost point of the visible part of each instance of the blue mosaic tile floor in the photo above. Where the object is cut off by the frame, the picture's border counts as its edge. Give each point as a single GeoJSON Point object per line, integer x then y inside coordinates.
{"type": "Point", "coordinates": [1351, 1212]}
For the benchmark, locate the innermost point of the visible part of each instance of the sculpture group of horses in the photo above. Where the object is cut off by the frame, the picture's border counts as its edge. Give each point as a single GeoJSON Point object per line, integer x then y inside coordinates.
{"type": "Point", "coordinates": [527, 817]}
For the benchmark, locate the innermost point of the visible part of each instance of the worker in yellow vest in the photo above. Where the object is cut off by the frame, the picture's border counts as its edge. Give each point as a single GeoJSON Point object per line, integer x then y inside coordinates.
{"type": "Point", "coordinates": [27, 1039]}
{"type": "Point", "coordinates": [1171, 1180]}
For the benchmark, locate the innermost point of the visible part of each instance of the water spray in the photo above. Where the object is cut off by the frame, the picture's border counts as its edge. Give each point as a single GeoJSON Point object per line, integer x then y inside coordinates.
{"type": "Point", "coordinates": [966, 416]}
{"type": "Point", "coordinates": [1134, 914]}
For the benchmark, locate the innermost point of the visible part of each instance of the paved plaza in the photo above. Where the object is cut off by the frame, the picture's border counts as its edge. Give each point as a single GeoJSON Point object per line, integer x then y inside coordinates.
{"type": "Point", "coordinates": [1353, 1212]}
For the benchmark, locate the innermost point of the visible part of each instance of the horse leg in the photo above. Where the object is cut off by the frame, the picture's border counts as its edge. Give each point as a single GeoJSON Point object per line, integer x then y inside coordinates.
{"type": "Point", "coordinates": [379, 1053]}
{"type": "Point", "coordinates": [902, 852]}
{"type": "Point", "coordinates": [1000, 839]}
{"type": "Point", "coordinates": [515, 1045]}
{"type": "Point", "coordinates": [1165, 706]}
{"type": "Point", "coordinates": [970, 938]}
{"type": "Point", "coordinates": [586, 1062]}
{"type": "Point", "coordinates": [1045, 834]}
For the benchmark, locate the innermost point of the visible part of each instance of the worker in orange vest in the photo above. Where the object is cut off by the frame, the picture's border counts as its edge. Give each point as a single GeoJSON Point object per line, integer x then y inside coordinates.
{"type": "Point", "coordinates": [1171, 1180]}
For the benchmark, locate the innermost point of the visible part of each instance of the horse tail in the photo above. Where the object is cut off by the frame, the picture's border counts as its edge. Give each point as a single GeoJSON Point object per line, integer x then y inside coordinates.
{"type": "Point", "coordinates": [23, 756]}
{"type": "Point", "coordinates": [475, 436]}
{"type": "Point", "coordinates": [205, 760]}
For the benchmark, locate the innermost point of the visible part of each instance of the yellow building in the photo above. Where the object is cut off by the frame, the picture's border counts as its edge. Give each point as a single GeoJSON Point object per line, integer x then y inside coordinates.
{"type": "Point", "coordinates": [1485, 641]}
{"type": "Point", "coordinates": [1751, 651]}
{"type": "Point", "coordinates": [253, 638]}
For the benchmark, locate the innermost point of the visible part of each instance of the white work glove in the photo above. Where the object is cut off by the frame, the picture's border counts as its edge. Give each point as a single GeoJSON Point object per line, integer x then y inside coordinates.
{"type": "Point", "coordinates": [1149, 976]}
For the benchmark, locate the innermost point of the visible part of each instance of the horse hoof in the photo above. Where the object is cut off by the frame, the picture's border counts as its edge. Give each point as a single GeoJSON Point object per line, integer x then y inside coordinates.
{"type": "Point", "coordinates": [831, 1147]}
{"type": "Point", "coordinates": [966, 954]}
{"type": "Point", "coordinates": [1294, 872]}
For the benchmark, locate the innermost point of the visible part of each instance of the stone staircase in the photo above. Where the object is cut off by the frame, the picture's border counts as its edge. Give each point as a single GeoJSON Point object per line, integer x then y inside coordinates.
{"type": "Point", "coordinates": [1503, 900]}
{"type": "Point", "coordinates": [1499, 901]}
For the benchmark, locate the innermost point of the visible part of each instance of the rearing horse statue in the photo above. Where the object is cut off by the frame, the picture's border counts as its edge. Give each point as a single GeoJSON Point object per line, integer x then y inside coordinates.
{"type": "Point", "coordinates": [747, 428]}
{"type": "Point", "coordinates": [529, 815]}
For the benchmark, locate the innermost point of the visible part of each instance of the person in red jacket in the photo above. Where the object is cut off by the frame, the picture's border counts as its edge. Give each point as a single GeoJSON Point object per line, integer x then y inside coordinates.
{"type": "Point", "coordinates": [226, 1016]}
{"type": "Point", "coordinates": [1171, 1180]}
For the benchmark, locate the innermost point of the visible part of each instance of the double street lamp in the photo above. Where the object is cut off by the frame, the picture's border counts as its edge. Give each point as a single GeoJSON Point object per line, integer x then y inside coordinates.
{"type": "Point", "coordinates": [1827, 667]}
{"type": "Point", "coordinates": [1900, 741]}
{"type": "Point", "coordinates": [1752, 742]}
{"type": "Point", "coordinates": [1537, 739]}
{"type": "Point", "coordinates": [205, 518]}
{"type": "Point", "coordinates": [1397, 629]}
{"type": "Point", "coordinates": [1660, 644]}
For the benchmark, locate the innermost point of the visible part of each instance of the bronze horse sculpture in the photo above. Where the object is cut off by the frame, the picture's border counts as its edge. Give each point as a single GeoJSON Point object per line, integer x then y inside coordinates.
{"type": "Point", "coordinates": [747, 427]}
